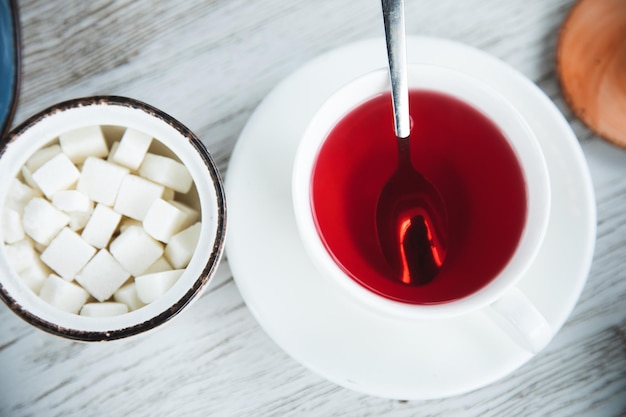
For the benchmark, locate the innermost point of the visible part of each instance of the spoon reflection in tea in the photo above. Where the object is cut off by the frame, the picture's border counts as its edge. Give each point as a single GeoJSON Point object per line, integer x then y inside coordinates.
{"type": "Point", "coordinates": [411, 217]}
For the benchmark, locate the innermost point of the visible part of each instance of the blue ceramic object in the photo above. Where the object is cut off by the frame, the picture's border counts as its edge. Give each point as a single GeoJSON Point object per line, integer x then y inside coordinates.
{"type": "Point", "coordinates": [9, 62]}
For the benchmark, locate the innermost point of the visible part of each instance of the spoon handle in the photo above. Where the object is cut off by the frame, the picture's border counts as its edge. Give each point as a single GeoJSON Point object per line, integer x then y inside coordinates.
{"type": "Point", "coordinates": [393, 17]}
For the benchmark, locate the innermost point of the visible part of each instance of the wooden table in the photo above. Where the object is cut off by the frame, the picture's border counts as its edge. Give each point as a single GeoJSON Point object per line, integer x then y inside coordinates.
{"type": "Point", "coordinates": [209, 63]}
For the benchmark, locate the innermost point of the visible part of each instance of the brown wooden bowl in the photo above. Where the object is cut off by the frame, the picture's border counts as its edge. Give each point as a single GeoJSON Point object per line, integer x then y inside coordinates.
{"type": "Point", "coordinates": [591, 66]}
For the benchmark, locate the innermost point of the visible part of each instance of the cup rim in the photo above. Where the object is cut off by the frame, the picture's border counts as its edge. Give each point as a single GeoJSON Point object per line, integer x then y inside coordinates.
{"type": "Point", "coordinates": [212, 206]}
{"type": "Point", "coordinates": [367, 86]}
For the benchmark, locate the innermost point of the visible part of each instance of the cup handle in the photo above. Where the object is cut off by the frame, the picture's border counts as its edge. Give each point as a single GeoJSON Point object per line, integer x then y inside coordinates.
{"type": "Point", "coordinates": [519, 318]}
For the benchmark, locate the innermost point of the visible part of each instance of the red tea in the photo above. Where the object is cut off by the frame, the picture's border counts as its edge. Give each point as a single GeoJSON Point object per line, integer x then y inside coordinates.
{"type": "Point", "coordinates": [462, 152]}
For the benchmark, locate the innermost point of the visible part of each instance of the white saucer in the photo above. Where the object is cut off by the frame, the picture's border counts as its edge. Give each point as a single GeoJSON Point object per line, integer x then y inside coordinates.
{"type": "Point", "coordinates": [312, 320]}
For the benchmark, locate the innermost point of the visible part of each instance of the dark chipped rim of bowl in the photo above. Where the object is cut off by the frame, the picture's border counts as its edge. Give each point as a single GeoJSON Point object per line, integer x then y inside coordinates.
{"type": "Point", "coordinates": [216, 251]}
{"type": "Point", "coordinates": [14, 92]}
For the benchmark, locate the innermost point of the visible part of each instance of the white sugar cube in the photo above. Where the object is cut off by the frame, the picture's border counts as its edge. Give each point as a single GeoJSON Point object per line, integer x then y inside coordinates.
{"type": "Point", "coordinates": [128, 295]}
{"type": "Point", "coordinates": [21, 255]}
{"type": "Point", "coordinates": [64, 295]}
{"type": "Point", "coordinates": [152, 286]}
{"type": "Point", "coordinates": [181, 246]}
{"type": "Point", "coordinates": [166, 171]}
{"type": "Point", "coordinates": [27, 175]}
{"type": "Point", "coordinates": [71, 201]}
{"type": "Point", "coordinates": [100, 180]}
{"type": "Point", "coordinates": [67, 254]}
{"type": "Point", "coordinates": [35, 275]}
{"type": "Point", "coordinates": [102, 275]}
{"type": "Point", "coordinates": [101, 226]}
{"type": "Point", "coordinates": [41, 156]}
{"type": "Point", "coordinates": [160, 265]}
{"type": "Point", "coordinates": [127, 222]}
{"type": "Point", "coordinates": [19, 194]}
{"type": "Point", "coordinates": [107, 309]}
{"type": "Point", "coordinates": [113, 151]}
{"type": "Point", "coordinates": [166, 218]}
{"type": "Point", "coordinates": [12, 229]}
{"type": "Point", "coordinates": [132, 148]}
{"type": "Point", "coordinates": [76, 205]}
{"type": "Point", "coordinates": [136, 195]}
{"type": "Point", "coordinates": [79, 144]}
{"type": "Point", "coordinates": [42, 221]}
{"type": "Point", "coordinates": [59, 173]}
{"type": "Point", "coordinates": [135, 250]}
{"type": "Point", "coordinates": [190, 212]}
{"type": "Point", "coordinates": [78, 220]}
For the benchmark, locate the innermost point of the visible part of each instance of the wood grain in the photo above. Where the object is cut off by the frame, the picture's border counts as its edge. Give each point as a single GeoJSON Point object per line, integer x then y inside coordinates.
{"type": "Point", "coordinates": [209, 63]}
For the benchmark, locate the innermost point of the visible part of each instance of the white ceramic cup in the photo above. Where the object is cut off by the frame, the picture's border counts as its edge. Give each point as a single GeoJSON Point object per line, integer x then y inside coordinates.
{"type": "Point", "coordinates": [500, 298]}
{"type": "Point", "coordinates": [117, 113]}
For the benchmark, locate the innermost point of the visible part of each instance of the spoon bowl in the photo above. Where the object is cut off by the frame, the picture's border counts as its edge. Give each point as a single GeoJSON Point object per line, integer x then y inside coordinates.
{"type": "Point", "coordinates": [411, 223]}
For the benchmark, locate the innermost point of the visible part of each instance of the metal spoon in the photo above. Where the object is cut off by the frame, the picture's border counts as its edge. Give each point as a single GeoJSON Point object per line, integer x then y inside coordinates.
{"type": "Point", "coordinates": [411, 219]}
